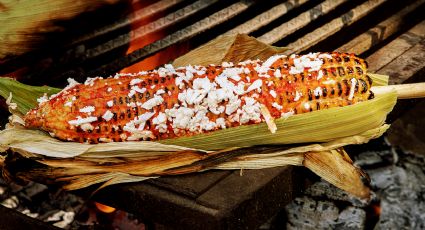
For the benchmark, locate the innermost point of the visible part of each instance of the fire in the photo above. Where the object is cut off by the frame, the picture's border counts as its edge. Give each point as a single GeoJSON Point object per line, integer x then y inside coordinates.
{"type": "Point", "coordinates": [377, 209]}
{"type": "Point", "coordinates": [104, 208]}
{"type": "Point", "coordinates": [158, 59]}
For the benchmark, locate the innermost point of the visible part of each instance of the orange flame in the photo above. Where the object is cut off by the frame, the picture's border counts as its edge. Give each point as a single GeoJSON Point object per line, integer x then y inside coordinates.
{"type": "Point", "coordinates": [104, 208]}
{"type": "Point", "coordinates": [158, 59]}
{"type": "Point", "coordinates": [377, 209]}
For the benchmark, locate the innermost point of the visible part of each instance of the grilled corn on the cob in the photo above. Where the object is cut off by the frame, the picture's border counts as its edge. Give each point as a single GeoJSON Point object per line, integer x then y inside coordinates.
{"type": "Point", "coordinates": [168, 102]}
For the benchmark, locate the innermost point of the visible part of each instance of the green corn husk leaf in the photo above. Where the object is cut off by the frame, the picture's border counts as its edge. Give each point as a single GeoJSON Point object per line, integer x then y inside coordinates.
{"type": "Point", "coordinates": [317, 126]}
{"type": "Point", "coordinates": [378, 79]}
{"type": "Point", "coordinates": [25, 96]}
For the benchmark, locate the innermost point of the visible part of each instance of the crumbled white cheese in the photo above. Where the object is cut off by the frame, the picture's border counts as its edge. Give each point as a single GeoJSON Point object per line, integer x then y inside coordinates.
{"type": "Point", "coordinates": [352, 88]}
{"type": "Point", "coordinates": [233, 73]}
{"type": "Point", "coordinates": [71, 84]}
{"type": "Point", "coordinates": [69, 104]}
{"type": "Point", "coordinates": [191, 96]}
{"type": "Point", "coordinates": [90, 81]}
{"type": "Point", "coordinates": [153, 86]}
{"type": "Point", "coordinates": [227, 64]}
{"type": "Point", "coordinates": [86, 127]}
{"type": "Point", "coordinates": [220, 122]}
{"type": "Point", "coordinates": [81, 120]}
{"type": "Point", "coordinates": [163, 72]}
{"type": "Point", "coordinates": [261, 70]}
{"type": "Point", "coordinates": [139, 134]}
{"type": "Point", "coordinates": [310, 61]}
{"type": "Point", "coordinates": [297, 95]}
{"type": "Point", "coordinates": [277, 106]}
{"type": "Point", "coordinates": [110, 103]}
{"type": "Point", "coordinates": [255, 85]}
{"type": "Point", "coordinates": [329, 82]}
{"type": "Point", "coordinates": [43, 99]}
{"type": "Point", "coordinates": [246, 70]}
{"type": "Point", "coordinates": [273, 93]}
{"type": "Point", "coordinates": [250, 111]}
{"type": "Point", "coordinates": [277, 73]}
{"type": "Point", "coordinates": [135, 89]}
{"type": "Point", "coordinates": [320, 74]}
{"type": "Point", "coordinates": [138, 123]}
{"type": "Point", "coordinates": [271, 60]}
{"type": "Point", "coordinates": [170, 68]}
{"type": "Point", "coordinates": [307, 105]}
{"type": "Point", "coordinates": [318, 91]}
{"type": "Point", "coordinates": [181, 116]}
{"type": "Point", "coordinates": [202, 84]}
{"type": "Point", "coordinates": [105, 140]}
{"type": "Point", "coordinates": [160, 91]}
{"type": "Point", "coordinates": [108, 115]}
{"type": "Point", "coordinates": [183, 78]}
{"type": "Point", "coordinates": [232, 106]}
{"type": "Point", "coordinates": [161, 122]}
{"type": "Point", "coordinates": [155, 101]}
{"type": "Point", "coordinates": [87, 109]}
{"type": "Point", "coordinates": [135, 81]}
{"type": "Point", "coordinates": [109, 89]}
{"type": "Point", "coordinates": [325, 55]}
{"type": "Point", "coordinates": [287, 114]}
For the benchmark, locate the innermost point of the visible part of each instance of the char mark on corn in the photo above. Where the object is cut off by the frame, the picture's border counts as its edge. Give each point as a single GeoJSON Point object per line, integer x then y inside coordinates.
{"type": "Point", "coordinates": [173, 102]}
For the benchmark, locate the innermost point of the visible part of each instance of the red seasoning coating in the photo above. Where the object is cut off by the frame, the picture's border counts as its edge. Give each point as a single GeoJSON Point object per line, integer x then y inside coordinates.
{"type": "Point", "coordinates": [169, 102]}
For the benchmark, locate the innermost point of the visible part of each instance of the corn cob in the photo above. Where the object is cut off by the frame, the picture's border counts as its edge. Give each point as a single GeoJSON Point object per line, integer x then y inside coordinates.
{"type": "Point", "coordinates": [169, 103]}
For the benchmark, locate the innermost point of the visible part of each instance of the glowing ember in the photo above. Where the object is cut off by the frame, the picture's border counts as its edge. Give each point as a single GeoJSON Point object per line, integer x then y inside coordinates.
{"type": "Point", "coordinates": [104, 208]}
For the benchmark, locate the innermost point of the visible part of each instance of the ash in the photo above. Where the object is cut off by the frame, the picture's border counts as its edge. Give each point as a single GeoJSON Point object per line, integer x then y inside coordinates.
{"type": "Point", "coordinates": [398, 197]}
{"type": "Point", "coordinates": [50, 205]}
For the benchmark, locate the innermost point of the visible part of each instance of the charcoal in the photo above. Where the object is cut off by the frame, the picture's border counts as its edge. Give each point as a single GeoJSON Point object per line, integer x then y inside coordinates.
{"type": "Point", "coordinates": [351, 218]}
{"type": "Point", "coordinates": [325, 190]}
{"type": "Point", "coordinates": [307, 213]}
{"type": "Point", "coordinates": [403, 198]}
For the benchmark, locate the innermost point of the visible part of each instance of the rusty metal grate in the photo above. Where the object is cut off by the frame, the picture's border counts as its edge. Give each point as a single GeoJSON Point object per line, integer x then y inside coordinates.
{"type": "Point", "coordinates": [350, 26]}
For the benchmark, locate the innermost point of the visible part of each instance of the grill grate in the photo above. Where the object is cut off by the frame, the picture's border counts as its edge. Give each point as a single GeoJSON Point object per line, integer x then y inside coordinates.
{"type": "Point", "coordinates": [298, 24]}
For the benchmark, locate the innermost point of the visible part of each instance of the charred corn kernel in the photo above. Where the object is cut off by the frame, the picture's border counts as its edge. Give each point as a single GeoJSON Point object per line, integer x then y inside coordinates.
{"type": "Point", "coordinates": [168, 102]}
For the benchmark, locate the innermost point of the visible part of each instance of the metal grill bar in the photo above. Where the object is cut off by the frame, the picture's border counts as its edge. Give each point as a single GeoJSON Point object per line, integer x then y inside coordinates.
{"type": "Point", "coordinates": [95, 54]}
{"type": "Point", "coordinates": [266, 17]}
{"type": "Point", "coordinates": [300, 21]}
{"type": "Point", "coordinates": [396, 48]}
{"type": "Point", "coordinates": [179, 36]}
{"type": "Point", "coordinates": [380, 32]}
{"type": "Point", "coordinates": [158, 25]}
{"type": "Point", "coordinates": [138, 15]}
{"type": "Point", "coordinates": [333, 26]}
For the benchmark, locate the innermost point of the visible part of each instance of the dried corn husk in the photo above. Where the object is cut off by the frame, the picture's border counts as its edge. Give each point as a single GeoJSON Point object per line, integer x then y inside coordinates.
{"type": "Point", "coordinates": [25, 23]}
{"type": "Point", "coordinates": [234, 48]}
{"type": "Point", "coordinates": [311, 135]}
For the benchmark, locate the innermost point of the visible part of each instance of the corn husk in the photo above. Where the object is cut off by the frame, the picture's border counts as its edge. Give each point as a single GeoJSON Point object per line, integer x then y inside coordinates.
{"type": "Point", "coordinates": [230, 48]}
{"type": "Point", "coordinates": [299, 140]}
